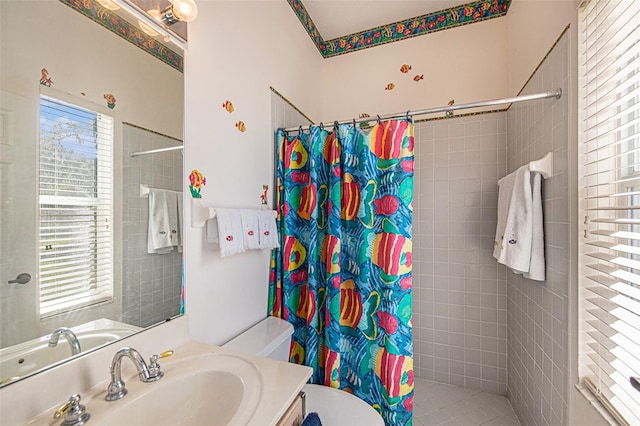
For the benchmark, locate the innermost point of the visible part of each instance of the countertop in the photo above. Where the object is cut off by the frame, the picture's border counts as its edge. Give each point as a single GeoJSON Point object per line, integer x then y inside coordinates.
{"type": "Point", "coordinates": [281, 383]}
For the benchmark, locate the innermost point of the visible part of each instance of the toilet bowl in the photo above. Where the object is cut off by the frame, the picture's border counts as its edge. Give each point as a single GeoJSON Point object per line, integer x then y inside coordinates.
{"type": "Point", "coordinates": [271, 338]}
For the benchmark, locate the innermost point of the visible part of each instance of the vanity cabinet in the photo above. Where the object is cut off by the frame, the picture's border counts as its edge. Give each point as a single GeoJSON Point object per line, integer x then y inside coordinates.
{"type": "Point", "coordinates": [294, 416]}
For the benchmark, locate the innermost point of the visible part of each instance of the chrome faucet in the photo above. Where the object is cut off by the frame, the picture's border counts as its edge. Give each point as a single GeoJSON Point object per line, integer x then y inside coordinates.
{"type": "Point", "coordinates": [116, 389]}
{"type": "Point", "coordinates": [67, 334]}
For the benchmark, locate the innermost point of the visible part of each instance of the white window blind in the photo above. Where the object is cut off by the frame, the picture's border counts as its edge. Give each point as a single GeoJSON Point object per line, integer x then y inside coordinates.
{"type": "Point", "coordinates": [75, 199]}
{"type": "Point", "coordinates": [610, 263]}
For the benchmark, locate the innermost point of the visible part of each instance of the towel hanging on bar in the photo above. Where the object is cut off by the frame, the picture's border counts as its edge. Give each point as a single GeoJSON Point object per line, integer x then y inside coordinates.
{"type": "Point", "coordinates": [519, 240]}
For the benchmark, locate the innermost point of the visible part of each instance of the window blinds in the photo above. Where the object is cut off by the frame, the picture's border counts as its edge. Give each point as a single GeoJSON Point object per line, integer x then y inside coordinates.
{"type": "Point", "coordinates": [75, 206]}
{"type": "Point", "coordinates": [610, 273]}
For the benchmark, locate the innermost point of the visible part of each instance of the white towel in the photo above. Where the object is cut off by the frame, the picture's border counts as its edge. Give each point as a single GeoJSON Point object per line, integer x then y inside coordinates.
{"type": "Point", "coordinates": [180, 221]}
{"type": "Point", "coordinates": [251, 228]}
{"type": "Point", "coordinates": [268, 230]}
{"type": "Point", "coordinates": [162, 233]}
{"type": "Point", "coordinates": [537, 267]}
{"type": "Point", "coordinates": [230, 232]}
{"type": "Point", "coordinates": [212, 231]}
{"type": "Point", "coordinates": [514, 241]}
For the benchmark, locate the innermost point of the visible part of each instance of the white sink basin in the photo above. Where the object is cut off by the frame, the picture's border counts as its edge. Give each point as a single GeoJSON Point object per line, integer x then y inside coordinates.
{"type": "Point", "coordinates": [27, 357]}
{"type": "Point", "coordinates": [212, 389]}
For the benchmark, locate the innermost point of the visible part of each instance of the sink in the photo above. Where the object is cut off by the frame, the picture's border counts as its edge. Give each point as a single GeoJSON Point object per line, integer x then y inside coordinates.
{"type": "Point", "coordinates": [216, 389]}
{"type": "Point", "coordinates": [27, 357]}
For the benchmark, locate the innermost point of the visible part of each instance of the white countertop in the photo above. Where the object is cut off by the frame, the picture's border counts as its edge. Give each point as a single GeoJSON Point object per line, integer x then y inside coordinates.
{"type": "Point", "coordinates": [30, 401]}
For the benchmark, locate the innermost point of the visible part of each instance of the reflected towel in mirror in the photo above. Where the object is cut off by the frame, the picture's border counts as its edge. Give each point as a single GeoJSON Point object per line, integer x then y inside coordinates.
{"type": "Point", "coordinates": [163, 221]}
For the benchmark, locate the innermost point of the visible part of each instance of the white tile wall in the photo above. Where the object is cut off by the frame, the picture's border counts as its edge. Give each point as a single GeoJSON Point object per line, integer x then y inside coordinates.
{"type": "Point", "coordinates": [460, 300]}
{"type": "Point", "coordinates": [537, 311]}
{"type": "Point", "coordinates": [151, 283]}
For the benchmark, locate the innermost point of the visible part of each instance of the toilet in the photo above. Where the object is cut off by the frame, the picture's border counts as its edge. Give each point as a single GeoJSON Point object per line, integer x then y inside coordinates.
{"type": "Point", "coordinates": [271, 338]}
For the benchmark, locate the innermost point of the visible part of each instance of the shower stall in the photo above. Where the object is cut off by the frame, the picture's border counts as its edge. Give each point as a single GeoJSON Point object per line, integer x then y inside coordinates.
{"type": "Point", "coordinates": [476, 324]}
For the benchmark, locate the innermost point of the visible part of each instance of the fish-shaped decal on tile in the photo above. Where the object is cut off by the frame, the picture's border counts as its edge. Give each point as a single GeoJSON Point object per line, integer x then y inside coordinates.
{"type": "Point", "coordinates": [418, 77]}
{"type": "Point", "coordinates": [227, 105]}
{"type": "Point", "coordinates": [405, 68]}
{"type": "Point", "coordinates": [241, 126]}
{"type": "Point", "coordinates": [390, 86]}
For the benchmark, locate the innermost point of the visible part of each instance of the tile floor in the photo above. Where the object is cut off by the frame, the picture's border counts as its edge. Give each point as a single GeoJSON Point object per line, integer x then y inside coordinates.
{"type": "Point", "coordinates": [442, 404]}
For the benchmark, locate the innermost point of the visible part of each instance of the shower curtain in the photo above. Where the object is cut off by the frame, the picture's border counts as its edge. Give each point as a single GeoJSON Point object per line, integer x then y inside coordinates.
{"type": "Point", "coordinates": [342, 276]}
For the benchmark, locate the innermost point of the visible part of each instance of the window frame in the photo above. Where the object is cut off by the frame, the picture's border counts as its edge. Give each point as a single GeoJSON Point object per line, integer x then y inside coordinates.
{"type": "Point", "coordinates": [614, 164]}
{"type": "Point", "coordinates": [105, 172]}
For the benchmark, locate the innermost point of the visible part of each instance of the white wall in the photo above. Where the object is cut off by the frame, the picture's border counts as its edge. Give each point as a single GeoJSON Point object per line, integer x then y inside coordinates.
{"type": "Point", "coordinates": [236, 51]}
{"type": "Point", "coordinates": [467, 64]}
{"type": "Point", "coordinates": [532, 28]}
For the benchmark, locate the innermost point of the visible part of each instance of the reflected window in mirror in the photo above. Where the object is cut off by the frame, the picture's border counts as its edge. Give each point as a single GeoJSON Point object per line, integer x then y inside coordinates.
{"type": "Point", "coordinates": [76, 206]}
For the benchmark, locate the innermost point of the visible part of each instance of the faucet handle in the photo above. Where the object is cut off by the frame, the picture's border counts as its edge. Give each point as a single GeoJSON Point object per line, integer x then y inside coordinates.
{"type": "Point", "coordinates": [154, 367]}
{"type": "Point", "coordinates": [74, 413]}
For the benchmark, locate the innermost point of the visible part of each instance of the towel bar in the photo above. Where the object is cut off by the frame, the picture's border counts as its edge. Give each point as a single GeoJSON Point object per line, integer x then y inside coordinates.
{"type": "Point", "coordinates": [200, 213]}
{"type": "Point", "coordinates": [544, 166]}
{"type": "Point", "coordinates": [144, 190]}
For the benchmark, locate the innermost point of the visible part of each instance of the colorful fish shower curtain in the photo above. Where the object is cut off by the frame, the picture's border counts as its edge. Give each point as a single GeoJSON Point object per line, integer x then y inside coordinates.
{"type": "Point", "coordinates": [343, 274]}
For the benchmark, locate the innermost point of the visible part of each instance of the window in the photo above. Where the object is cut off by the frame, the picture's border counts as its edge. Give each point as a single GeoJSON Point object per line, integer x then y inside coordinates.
{"type": "Point", "coordinates": [76, 260]}
{"type": "Point", "coordinates": [610, 250]}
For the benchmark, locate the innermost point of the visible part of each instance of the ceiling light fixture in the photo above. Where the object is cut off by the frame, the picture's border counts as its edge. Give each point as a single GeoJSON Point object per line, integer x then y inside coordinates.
{"type": "Point", "coordinates": [108, 4]}
{"type": "Point", "coordinates": [147, 29]}
{"type": "Point", "coordinates": [180, 10]}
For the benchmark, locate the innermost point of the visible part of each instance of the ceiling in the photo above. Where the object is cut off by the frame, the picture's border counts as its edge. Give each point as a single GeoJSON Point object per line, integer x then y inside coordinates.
{"type": "Point", "coordinates": [336, 18]}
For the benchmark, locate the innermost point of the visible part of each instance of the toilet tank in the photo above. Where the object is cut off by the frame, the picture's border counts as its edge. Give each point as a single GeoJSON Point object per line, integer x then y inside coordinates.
{"type": "Point", "coordinates": [270, 338]}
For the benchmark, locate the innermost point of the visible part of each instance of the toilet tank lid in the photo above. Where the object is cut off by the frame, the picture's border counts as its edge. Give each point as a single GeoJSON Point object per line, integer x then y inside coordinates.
{"type": "Point", "coordinates": [263, 338]}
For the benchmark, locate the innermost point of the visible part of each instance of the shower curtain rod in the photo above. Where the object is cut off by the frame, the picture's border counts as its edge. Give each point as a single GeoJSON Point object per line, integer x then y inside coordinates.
{"type": "Point", "coordinates": [153, 151]}
{"type": "Point", "coordinates": [545, 95]}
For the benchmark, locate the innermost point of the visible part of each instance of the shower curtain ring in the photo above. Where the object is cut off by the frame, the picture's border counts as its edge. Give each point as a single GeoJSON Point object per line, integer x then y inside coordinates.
{"type": "Point", "coordinates": [300, 130]}
{"type": "Point", "coordinates": [408, 111]}
{"type": "Point", "coordinates": [321, 126]}
{"type": "Point", "coordinates": [336, 125]}
{"type": "Point", "coordinates": [378, 119]}
{"type": "Point", "coordinates": [354, 122]}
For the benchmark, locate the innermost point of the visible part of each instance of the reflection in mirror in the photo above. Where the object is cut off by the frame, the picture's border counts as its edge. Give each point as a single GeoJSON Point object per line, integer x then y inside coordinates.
{"type": "Point", "coordinates": [75, 101]}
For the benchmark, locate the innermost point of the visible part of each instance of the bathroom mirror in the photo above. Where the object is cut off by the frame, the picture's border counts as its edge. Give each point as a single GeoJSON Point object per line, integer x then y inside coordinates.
{"type": "Point", "coordinates": [76, 100]}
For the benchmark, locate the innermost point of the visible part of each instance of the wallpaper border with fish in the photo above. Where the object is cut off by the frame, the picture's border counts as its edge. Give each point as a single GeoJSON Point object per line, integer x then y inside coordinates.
{"type": "Point", "coordinates": [465, 14]}
{"type": "Point", "coordinates": [117, 25]}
